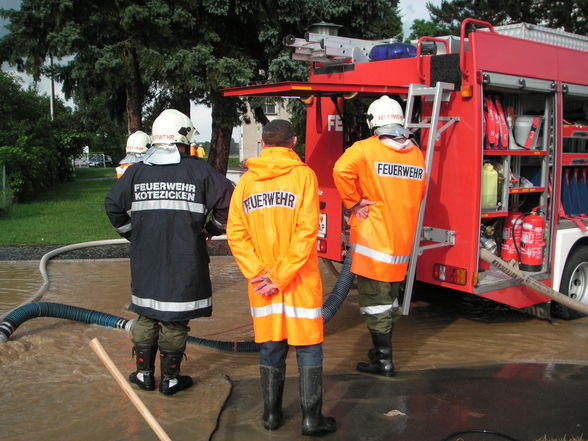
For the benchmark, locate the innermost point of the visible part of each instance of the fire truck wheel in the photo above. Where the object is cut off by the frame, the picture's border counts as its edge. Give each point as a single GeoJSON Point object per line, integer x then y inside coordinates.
{"type": "Point", "coordinates": [574, 284]}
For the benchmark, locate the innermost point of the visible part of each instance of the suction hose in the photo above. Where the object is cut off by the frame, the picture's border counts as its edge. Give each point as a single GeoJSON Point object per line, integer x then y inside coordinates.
{"type": "Point", "coordinates": [43, 265]}
{"type": "Point", "coordinates": [45, 309]}
{"type": "Point", "coordinates": [56, 310]}
{"type": "Point", "coordinates": [340, 290]}
{"type": "Point", "coordinates": [32, 308]}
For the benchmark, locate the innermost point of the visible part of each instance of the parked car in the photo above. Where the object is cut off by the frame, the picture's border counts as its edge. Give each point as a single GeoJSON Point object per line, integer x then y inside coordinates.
{"type": "Point", "coordinates": [100, 160]}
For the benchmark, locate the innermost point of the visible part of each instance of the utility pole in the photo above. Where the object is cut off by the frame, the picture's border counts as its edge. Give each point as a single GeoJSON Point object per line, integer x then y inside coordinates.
{"type": "Point", "coordinates": [52, 97]}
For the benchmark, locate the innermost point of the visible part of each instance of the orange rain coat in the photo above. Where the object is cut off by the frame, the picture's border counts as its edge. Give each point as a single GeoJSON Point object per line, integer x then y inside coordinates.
{"type": "Point", "coordinates": [120, 170]}
{"type": "Point", "coordinates": [272, 230]}
{"type": "Point", "coordinates": [395, 181]}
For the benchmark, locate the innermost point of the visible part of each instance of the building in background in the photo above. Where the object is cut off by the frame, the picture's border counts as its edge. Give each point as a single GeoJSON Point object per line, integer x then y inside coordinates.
{"type": "Point", "coordinates": [250, 141]}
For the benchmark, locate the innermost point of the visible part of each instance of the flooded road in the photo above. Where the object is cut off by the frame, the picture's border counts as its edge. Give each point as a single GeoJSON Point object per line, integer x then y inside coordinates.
{"type": "Point", "coordinates": [55, 388]}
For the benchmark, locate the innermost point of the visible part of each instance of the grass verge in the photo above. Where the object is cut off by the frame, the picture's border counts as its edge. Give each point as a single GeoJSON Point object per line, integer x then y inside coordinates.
{"type": "Point", "coordinates": [67, 213]}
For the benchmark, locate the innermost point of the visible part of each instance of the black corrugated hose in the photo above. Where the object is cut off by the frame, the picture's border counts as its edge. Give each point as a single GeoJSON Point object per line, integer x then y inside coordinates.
{"type": "Point", "coordinates": [34, 309]}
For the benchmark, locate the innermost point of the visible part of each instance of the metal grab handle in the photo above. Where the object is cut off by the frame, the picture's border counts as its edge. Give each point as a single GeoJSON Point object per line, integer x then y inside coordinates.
{"type": "Point", "coordinates": [462, 68]}
{"type": "Point", "coordinates": [418, 52]}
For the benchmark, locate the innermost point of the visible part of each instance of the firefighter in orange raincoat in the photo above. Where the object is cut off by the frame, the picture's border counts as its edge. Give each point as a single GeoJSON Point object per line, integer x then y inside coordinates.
{"type": "Point", "coordinates": [382, 180]}
{"type": "Point", "coordinates": [272, 230]}
{"type": "Point", "coordinates": [137, 145]}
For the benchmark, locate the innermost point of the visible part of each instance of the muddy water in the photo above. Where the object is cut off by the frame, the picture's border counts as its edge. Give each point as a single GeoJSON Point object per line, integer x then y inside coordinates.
{"type": "Point", "coordinates": [18, 282]}
{"type": "Point", "coordinates": [55, 388]}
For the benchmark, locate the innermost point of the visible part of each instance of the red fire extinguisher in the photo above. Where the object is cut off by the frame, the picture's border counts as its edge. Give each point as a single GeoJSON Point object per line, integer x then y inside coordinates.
{"type": "Point", "coordinates": [511, 236]}
{"type": "Point", "coordinates": [532, 243]}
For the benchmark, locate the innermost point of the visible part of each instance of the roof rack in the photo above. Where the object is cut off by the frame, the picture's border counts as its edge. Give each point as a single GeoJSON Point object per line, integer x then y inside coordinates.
{"type": "Point", "coordinates": [542, 34]}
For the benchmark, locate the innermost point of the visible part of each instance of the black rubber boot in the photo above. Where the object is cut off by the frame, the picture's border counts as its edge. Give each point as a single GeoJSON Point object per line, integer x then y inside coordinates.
{"type": "Point", "coordinates": [171, 380]}
{"type": "Point", "coordinates": [272, 388]}
{"type": "Point", "coordinates": [380, 356]}
{"type": "Point", "coordinates": [311, 400]}
{"type": "Point", "coordinates": [145, 358]}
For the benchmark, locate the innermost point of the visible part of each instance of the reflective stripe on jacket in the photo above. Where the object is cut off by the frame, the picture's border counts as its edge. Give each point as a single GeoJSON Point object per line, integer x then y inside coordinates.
{"type": "Point", "coordinates": [272, 230]}
{"type": "Point", "coordinates": [395, 181]}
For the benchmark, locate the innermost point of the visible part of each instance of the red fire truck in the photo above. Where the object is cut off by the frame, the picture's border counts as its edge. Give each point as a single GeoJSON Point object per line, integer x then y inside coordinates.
{"type": "Point", "coordinates": [501, 114]}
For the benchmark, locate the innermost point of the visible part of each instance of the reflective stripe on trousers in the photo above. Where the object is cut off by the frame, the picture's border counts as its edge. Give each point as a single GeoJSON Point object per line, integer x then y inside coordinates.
{"type": "Point", "coordinates": [378, 309]}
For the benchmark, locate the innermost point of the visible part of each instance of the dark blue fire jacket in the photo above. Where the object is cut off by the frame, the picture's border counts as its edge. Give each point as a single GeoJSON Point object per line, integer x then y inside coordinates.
{"type": "Point", "coordinates": [162, 210]}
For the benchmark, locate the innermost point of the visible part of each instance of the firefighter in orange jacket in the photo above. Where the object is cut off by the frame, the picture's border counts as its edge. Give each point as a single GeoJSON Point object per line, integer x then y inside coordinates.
{"type": "Point", "coordinates": [272, 230]}
{"type": "Point", "coordinates": [137, 145]}
{"type": "Point", "coordinates": [382, 180]}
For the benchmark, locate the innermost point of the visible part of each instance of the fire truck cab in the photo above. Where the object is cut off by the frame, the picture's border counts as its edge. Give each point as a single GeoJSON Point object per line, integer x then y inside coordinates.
{"type": "Point", "coordinates": [501, 114]}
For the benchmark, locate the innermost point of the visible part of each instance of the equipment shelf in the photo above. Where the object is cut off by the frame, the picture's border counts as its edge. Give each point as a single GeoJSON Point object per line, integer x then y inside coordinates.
{"type": "Point", "coordinates": [523, 174]}
{"type": "Point", "coordinates": [517, 190]}
{"type": "Point", "coordinates": [491, 214]}
{"type": "Point", "coordinates": [575, 159]}
{"type": "Point", "coordinates": [515, 153]}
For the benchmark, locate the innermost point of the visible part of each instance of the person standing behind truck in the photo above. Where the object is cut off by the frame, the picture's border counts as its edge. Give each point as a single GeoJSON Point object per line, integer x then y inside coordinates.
{"type": "Point", "coordinates": [200, 151]}
{"type": "Point", "coordinates": [382, 180]}
{"type": "Point", "coordinates": [272, 231]}
{"type": "Point", "coordinates": [197, 151]}
{"type": "Point", "coordinates": [166, 207]}
{"type": "Point", "coordinates": [137, 145]}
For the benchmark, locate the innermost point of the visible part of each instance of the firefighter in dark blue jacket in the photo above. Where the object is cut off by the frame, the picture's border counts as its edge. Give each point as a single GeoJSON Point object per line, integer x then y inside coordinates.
{"type": "Point", "coordinates": [166, 207]}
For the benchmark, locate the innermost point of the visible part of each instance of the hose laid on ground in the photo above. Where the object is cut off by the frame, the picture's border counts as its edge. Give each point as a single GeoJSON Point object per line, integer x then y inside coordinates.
{"type": "Point", "coordinates": [527, 280]}
{"type": "Point", "coordinates": [43, 265]}
{"type": "Point", "coordinates": [32, 308]}
{"type": "Point", "coordinates": [57, 310]}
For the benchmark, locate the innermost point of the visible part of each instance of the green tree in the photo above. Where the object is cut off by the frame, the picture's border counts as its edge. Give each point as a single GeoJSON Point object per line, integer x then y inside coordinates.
{"type": "Point", "coordinates": [114, 56]}
{"type": "Point", "coordinates": [244, 40]}
{"type": "Point", "coordinates": [96, 43]}
{"type": "Point", "coordinates": [569, 15]}
{"type": "Point", "coordinates": [121, 55]}
{"type": "Point", "coordinates": [423, 28]}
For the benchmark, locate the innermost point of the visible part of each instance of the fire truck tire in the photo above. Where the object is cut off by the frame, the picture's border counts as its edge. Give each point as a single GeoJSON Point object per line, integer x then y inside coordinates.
{"type": "Point", "coordinates": [574, 283]}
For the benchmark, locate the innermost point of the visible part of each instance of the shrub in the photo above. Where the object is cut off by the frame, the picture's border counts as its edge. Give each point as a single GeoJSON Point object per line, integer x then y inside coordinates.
{"type": "Point", "coordinates": [36, 151]}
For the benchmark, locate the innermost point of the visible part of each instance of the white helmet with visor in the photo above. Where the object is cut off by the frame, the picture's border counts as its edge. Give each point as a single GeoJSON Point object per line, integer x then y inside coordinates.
{"type": "Point", "coordinates": [171, 127]}
{"type": "Point", "coordinates": [385, 117]}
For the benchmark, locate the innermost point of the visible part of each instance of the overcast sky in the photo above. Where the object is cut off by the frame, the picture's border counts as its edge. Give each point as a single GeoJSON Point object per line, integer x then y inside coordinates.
{"type": "Point", "coordinates": [411, 10]}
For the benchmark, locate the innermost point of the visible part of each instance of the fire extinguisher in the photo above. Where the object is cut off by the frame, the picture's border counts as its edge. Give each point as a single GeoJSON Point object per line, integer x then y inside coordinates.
{"type": "Point", "coordinates": [511, 236]}
{"type": "Point", "coordinates": [532, 243]}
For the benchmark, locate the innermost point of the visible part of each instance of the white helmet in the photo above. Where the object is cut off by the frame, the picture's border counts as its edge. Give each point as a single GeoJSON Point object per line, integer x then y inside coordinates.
{"type": "Point", "coordinates": [172, 127]}
{"type": "Point", "coordinates": [385, 117]}
{"type": "Point", "coordinates": [138, 143]}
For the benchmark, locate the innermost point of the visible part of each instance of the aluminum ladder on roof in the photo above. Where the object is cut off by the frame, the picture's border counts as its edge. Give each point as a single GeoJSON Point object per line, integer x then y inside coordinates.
{"type": "Point", "coordinates": [438, 94]}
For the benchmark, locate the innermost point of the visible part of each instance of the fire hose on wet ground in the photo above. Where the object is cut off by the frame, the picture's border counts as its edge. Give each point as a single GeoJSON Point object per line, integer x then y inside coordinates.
{"type": "Point", "coordinates": [32, 308]}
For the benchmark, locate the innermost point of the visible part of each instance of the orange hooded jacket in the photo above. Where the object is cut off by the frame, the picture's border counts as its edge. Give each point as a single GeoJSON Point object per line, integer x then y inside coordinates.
{"type": "Point", "coordinates": [395, 181]}
{"type": "Point", "coordinates": [272, 230]}
{"type": "Point", "coordinates": [120, 170]}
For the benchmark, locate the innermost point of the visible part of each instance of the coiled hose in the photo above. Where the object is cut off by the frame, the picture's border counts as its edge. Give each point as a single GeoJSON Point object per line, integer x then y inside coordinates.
{"type": "Point", "coordinates": [32, 308]}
